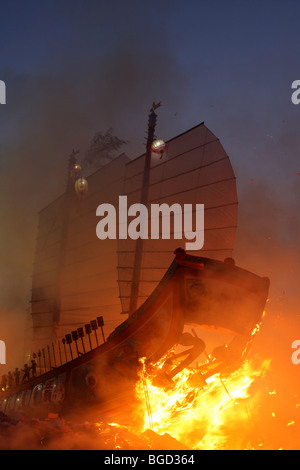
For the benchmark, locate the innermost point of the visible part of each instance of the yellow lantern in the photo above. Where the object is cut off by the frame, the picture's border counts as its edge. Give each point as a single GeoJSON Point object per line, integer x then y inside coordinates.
{"type": "Point", "coordinates": [81, 187]}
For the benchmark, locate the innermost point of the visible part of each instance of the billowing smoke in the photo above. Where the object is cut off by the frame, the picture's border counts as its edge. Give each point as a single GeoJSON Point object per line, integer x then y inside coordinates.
{"type": "Point", "coordinates": [47, 116]}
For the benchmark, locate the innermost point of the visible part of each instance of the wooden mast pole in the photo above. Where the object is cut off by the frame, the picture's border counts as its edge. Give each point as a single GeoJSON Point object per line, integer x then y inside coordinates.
{"type": "Point", "coordinates": [144, 200]}
{"type": "Point", "coordinates": [68, 197]}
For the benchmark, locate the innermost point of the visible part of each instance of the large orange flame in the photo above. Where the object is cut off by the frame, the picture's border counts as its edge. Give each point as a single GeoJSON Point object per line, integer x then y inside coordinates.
{"type": "Point", "coordinates": [199, 415]}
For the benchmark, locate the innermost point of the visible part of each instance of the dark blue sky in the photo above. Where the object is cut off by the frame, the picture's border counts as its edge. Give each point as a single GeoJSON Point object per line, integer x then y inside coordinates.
{"type": "Point", "coordinates": [75, 67]}
{"type": "Point", "coordinates": [230, 64]}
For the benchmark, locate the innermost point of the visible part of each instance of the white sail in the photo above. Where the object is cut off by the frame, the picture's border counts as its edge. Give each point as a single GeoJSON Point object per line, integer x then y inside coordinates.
{"type": "Point", "coordinates": [194, 169]}
{"type": "Point", "coordinates": [75, 274]}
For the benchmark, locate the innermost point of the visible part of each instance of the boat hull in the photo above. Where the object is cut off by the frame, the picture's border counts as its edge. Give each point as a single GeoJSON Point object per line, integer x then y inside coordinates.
{"type": "Point", "coordinates": [194, 291]}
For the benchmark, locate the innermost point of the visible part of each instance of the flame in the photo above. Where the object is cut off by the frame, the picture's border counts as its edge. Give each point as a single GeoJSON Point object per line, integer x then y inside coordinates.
{"type": "Point", "coordinates": [200, 415]}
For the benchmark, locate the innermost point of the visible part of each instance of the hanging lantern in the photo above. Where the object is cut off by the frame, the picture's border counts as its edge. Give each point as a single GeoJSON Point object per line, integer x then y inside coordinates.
{"type": "Point", "coordinates": [81, 187]}
{"type": "Point", "coordinates": [158, 146]}
{"type": "Point", "coordinates": [76, 170]}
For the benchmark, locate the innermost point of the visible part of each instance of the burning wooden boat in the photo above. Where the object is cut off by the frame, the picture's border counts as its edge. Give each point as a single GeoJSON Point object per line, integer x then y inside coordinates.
{"type": "Point", "coordinates": [194, 291]}
{"type": "Point", "coordinates": [162, 296]}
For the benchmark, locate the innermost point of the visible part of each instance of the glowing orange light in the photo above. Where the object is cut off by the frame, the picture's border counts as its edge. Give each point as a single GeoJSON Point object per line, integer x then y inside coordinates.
{"type": "Point", "coordinates": [197, 416]}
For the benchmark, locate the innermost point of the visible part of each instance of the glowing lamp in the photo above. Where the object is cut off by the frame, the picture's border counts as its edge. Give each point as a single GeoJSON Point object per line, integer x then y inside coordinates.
{"type": "Point", "coordinates": [76, 170]}
{"type": "Point", "coordinates": [81, 187]}
{"type": "Point", "coordinates": [158, 146]}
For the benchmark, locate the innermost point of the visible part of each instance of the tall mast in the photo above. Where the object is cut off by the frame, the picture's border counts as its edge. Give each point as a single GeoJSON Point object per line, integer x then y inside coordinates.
{"type": "Point", "coordinates": [68, 199]}
{"type": "Point", "coordinates": [144, 200]}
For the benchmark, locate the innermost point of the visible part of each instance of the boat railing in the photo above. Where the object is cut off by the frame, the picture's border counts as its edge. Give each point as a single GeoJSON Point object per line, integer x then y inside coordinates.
{"type": "Point", "coordinates": [74, 344]}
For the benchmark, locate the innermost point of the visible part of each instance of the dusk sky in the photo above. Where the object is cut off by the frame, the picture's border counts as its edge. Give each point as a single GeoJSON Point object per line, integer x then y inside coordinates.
{"type": "Point", "coordinates": [73, 68]}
